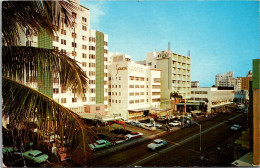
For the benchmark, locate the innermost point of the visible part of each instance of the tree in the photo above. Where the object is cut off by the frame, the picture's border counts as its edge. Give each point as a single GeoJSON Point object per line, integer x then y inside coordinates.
{"type": "Point", "coordinates": [175, 95]}
{"type": "Point", "coordinates": [22, 104]}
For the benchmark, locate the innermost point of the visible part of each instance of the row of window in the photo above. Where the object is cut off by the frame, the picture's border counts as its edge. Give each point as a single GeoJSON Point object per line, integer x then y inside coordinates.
{"type": "Point", "coordinates": [114, 93]}
{"type": "Point", "coordinates": [199, 92]}
{"type": "Point", "coordinates": [137, 86]}
{"type": "Point", "coordinates": [137, 93]}
{"type": "Point", "coordinates": [114, 101]}
{"type": "Point", "coordinates": [117, 78]}
{"type": "Point", "coordinates": [114, 86]}
{"type": "Point", "coordinates": [74, 100]}
{"type": "Point", "coordinates": [137, 101]}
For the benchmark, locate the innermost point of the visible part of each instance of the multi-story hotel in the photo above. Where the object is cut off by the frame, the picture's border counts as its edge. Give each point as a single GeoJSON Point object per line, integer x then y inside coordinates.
{"type": "Point", "coordinates": [175, 76]}
{"type": "Point", "coordinates": [90, 49]}
{"type": "Point", "coordinates": [228, 80]}
{"type": "Point", "coordinates": [134, 89]}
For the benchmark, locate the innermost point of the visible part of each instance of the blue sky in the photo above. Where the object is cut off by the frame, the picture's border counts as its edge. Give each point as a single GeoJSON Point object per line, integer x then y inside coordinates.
{"type": "Point", "coordinates": [221, 35]}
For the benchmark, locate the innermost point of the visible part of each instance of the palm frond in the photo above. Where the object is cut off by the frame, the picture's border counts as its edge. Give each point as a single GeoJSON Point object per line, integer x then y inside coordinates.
{"type": "Point", "coordinates": [22, 104]}
{"type": "Point", "coordinates": [32, 16]}
{"type": "Point", "coordinates": [20, 61]}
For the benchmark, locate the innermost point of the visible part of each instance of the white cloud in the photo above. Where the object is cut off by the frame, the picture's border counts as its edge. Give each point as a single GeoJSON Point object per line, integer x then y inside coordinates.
{"type": "Point", "coordinates": [97, 10]}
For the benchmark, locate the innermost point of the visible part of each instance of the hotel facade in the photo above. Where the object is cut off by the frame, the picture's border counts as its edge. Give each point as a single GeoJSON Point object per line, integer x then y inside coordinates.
{"type": "Point", "coordinates": [228, 80]}
{"type": "Point", "coordinates": [134, 89]}
{"type": "Point", "coordinates": [89, 48]}
{"type": "Point", "coordinates": [175, 76]}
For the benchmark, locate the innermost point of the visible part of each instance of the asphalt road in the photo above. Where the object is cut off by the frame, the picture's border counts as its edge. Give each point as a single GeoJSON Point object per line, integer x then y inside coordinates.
{"type": "Point", "coordinates": [183, 147]}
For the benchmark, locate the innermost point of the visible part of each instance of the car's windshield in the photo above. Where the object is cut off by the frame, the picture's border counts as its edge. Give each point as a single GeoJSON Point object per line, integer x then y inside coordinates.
{"type": "Point", "coordinates": [39, 155]}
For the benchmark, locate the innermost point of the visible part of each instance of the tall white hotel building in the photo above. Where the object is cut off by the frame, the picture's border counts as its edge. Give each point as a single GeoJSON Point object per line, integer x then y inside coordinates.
{"type": "Point", "coordinates": [134, 89]}
{"type": "Point", "coordinates": [89, 48]}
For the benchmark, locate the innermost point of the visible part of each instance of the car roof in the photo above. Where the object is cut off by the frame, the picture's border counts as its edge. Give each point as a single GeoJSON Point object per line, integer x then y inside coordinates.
{"type": "Point", "coordinates": [34, 152]}
{"type": "Point", "coordinates": [101, 141]}
{"type": "Point", "coordinates": [157, 140]}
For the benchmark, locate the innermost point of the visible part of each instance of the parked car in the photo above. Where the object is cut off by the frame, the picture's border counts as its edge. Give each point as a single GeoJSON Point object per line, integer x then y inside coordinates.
{"type": "Point", "coordinates": [235, 127]}
{"type": "Point", "coordinates": [157, 125]}
{"type": "Point", "coordinates": [157, 143]}
{"type": "Point", "coordinates": [161, 119]}
{"type": "Point", "coordinates": [118, 139]}
{"type": "Point", "coordinates": [136, 123]}
{"type": "Point", "coordinates": [188, 115]}
{"type": "Point", "coordinates": [35, 156]}
{"type": "Point", "coordinates": [63, 153]}
{"type": "Point", "coordinates": [134, 135]}
{"type": "Point", "coordinates": [99, 144]}
{"type": "Point", "coordinates": [175, 123]}
{"type": "Point", "coordinates": [119, 122]}
{"type": "Point", "coordinates": [149, 127]}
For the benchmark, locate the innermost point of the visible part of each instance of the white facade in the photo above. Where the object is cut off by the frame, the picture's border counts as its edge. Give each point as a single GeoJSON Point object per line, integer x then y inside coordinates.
{"type": "Point", "coordinates": [132, 87]}
{"type": "Point", "coordinates": [175, 75]}
{"type": "Point", "coordinates": [228, 80]}
{"type": "Point", "coordinates": [214, 96]}
{"type": "Point", "coordinates": [80, 43]}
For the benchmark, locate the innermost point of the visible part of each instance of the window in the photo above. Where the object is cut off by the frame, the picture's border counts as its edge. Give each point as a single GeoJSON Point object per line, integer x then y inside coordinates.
{"type": "Point", "coordinates": [74, 15]}
{"type": "Point", "coordinates": [92, 82]}
{"type": "Point", "coordinates": [97, 107]}
{"type": "Point", "coordinates": [93, 99]}
{"type": "Point", "coordinates": [91, 56]}
{"type": "Point", "coordinates": [63, 51]}
{"type": "Point", "coordinates": [84, 27]}
{"type": "Point", "coordinates": [63, 89]}
{"type": "Point", "coordinates": [92, 73]}
{"type": "Point", "coordinates": [63, 31]}
{"type": "Point", "coordinates": [55, 48]}
{"type": "Point", "coordinates": [105, 51]}
{"type": "Point", "coordinates": [156, 80]}
{"type": "Point", "coordinates": [74, 35]}
{"type": "Point", "coordinates": [63, 41]}
{"type": "Point", "coordinates": [56, 38]}
{"type": "Point", "coordinates": [119, 93]}
{"type": "Point", "coordinates": [28, 43]}
{"type": "Point", "coordinates": [119, 101]}
{"type": "Point", "coordinates": [92, 39]}
{"type": "Point", "coordinates": [55, 80]}
{"type": "Point", "coordinates": [105, 58]}
{"type": "Point", "coordinates": [131, 86]}
{"type": "Point", "coordinates": [131, 101]}
{"type": "Point", "coordinates": [119, 86]}
{"type": "Point", "coordinates": [74, 53]}
{"type": "Point", "coordinates": [136, 86]}
{"type": "Point", "coordinates": [131, 94]}
{"type": "Point", "coordinates": [63, 100]}
{"type": "Point", "coordinates": [55, 90]}
{"type": "Point", "coordinates": [91, 64]}
{"type": "Point", "coordinates": [84, 99]}
{"type": "Point", "coordinates": [84, 64]}
{"type": "Point", "coordinates": [92, 48]}
{"type": "Point", "coordinates": [84, 55]}
{"type": "Point", "coordinates": [105, 43]}
{"type": "Point", "coordinates": [136, 101]}
{"type": "Point", "coordinates": [84, 47]}
{"type": "Point", "coordinates": [74, 44]}
{"type": "Point", "coordinates": [131, 78]}
{"type": "Point", "coordinates": [137, 93]}
{"type": "Point", "coordinates": [84, 19]}
{"type": "Point", "coordinates": [74, 100]}
{"type": "Point", "coordinates": [84, 38]}
{"type": "Point", "coordinates": [93, 90]}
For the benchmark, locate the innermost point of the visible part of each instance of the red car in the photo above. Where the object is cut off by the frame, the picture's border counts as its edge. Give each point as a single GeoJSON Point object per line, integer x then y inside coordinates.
{"type": "Point", "coordinates": [119, 122]}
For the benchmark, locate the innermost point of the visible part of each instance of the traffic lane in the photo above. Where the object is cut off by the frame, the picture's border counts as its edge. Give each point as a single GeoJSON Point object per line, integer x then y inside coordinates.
{"type": "Point", "coordinates": [188, 154]}
{"type": "Point", "coordinates": [117, 159]}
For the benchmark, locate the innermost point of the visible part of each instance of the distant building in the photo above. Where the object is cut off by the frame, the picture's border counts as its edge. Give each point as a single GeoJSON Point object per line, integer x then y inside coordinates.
{"type": "Point", "coordinates": [228, 80]}
{"type": "Point", "coordinates": [245, 81]}
{"type": "Point", "coordinates": [195, 84]}
{"type": "Point", "coordinates": [214, 98]}
{"type": "Point", "coordinates": [134, 89]}
{"type": "Point", "coordinates": [175, 76]}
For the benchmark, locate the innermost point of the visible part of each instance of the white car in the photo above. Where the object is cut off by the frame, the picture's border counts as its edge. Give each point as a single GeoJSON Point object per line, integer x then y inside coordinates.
{"type": "Point", "coordinates": [134, 135]}
{"type": "Point", "coordinates": [149, 127]}
{"type": "Point", "coordinates": [235, 127]}
{"type": "Point", "coordinates": [157, 143]}
{"type": "Point", "coordinates": [175, 123]}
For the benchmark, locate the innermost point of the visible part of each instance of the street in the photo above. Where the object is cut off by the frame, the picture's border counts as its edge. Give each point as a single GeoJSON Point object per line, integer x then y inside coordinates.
{"type": "Point", "coordinates": [183, 147]}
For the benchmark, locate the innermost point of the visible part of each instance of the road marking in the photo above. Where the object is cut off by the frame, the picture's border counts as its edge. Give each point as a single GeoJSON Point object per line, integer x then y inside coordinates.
{"type": "Point", "coordinates": [183, 141]}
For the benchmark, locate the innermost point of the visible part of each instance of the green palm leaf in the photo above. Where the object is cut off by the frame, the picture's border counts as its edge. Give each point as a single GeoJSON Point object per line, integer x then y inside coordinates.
{"type": "Point", "coordinates": [20, 60]}
{"type": "Point", "coordinates": [22, 104]}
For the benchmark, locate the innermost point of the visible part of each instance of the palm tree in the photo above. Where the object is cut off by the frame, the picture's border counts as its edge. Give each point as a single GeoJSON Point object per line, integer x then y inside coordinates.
{"type": "Point", "coordinates": [22, 104]}
{"type": "Point", "coordinates": [174, 95]}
